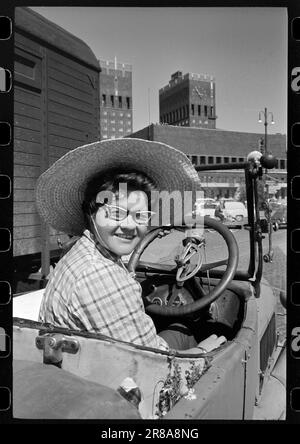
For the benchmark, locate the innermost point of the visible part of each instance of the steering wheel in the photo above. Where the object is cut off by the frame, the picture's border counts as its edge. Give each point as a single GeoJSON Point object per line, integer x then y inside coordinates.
{"type": "Point", "coordinates": [207, 298]}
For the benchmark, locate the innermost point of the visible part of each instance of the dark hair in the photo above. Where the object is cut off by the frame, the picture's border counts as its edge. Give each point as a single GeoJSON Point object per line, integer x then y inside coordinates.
{"type": "Point", "coordinates": [109, 181]}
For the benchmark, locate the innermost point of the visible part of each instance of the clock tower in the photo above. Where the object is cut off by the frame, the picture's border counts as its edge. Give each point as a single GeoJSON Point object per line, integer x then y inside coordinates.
{"type": "Point", "coordinates": [188, 100]}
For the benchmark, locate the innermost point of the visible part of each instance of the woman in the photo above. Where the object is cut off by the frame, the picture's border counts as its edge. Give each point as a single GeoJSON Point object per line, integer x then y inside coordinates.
{"type": "Point", "coordinates": [103, 193]}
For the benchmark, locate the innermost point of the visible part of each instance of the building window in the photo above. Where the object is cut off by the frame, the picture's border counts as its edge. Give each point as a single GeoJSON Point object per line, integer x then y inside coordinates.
{"type": "Point", "coordinates": [113, 113]}
{"type": "Point", "coordinates": [121, 114]}
{"type": "Point", "coordinates": [112, 121]}
{"type": "Point", "coordinates": [193, 109]}
{"type": "Point", "coordinates": [205, 110]}
{"type": "Point", "coordinates": [193, 121]}
{"type": "Point", "coordinates": [105, 113]}
{"type": "Point", "coordinates": [218, 159]}
{"type": "Point", "coordinates": [120, 130]}
{"type": "Point", "coordinates": [210, 159]}
{"type": "Point", "coordinates": [202, 160]}
{"type": "Point", "coordinates": [226, 159]}
{"type": "Point", "coordinates": [194, 160]}
{"type": "Point", "coordinates": [199, 110]}
{"type": "Point", "coordinates": [112, 101]}
{"type": "Point", "coordinates": [120, 101]}
{"type": "Point", "coordinates": [241, 159]}
{"type": "Point", "coordinates": [233, 159]}
{"type": "Point", "coordinates": [211, 111]}
{"type": "Point", "coordinates": [104, 136]}
{"type": "Point", "coordinates": [103, 99]}
{"type": "Point", "coordinates": [128, 102]}
{"type": "Point", "coordinates": [121, 122]}
{"type": "Point", "coordinates": [282, 164]}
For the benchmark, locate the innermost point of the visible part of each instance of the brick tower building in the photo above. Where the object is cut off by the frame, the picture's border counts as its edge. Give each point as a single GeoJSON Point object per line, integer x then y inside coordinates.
{"type": "Point", "coordinates": [115, 99]}
{"type": "Point", "coordinates": [188, 100]}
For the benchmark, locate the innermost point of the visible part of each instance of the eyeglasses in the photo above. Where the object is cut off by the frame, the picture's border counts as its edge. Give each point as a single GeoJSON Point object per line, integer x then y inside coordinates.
{"type": "Point", "coordinates": [118, 213]}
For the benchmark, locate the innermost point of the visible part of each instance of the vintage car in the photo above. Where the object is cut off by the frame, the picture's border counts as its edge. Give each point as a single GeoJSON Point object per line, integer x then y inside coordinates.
{"type": "Point", "coordinates": [192, 274]}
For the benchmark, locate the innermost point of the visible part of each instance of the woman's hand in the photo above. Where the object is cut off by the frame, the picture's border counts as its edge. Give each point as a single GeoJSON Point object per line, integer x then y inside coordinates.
{"type": "Point", "coordinates": [206, 345]}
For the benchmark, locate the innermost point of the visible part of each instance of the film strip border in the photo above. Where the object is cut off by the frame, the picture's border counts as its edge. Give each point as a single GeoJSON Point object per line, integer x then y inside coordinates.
{"type": "Point", "coordinates": [6, 208]}
{"type": "Point", "coordinates": [293, 230]}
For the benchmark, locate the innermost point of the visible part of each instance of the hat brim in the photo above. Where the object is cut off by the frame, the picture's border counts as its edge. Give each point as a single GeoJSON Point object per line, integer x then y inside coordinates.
{"type": "Point", "coordinates": [60, 189]}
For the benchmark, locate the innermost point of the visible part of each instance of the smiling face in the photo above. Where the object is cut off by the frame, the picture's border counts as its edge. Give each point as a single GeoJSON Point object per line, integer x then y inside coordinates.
{"type": "Point", "coordinates": [121, 237]}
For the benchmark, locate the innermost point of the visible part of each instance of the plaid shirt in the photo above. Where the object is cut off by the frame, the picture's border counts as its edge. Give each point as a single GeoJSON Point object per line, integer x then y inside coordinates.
{"type": "Point", "coordinates": [87, 291]}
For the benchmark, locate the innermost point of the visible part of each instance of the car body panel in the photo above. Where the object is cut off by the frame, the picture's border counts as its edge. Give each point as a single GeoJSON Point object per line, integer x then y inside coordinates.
{"type": "Point", "coordinates": [226, 389]}
{"type": "Point", "coordinates": [117, 361]}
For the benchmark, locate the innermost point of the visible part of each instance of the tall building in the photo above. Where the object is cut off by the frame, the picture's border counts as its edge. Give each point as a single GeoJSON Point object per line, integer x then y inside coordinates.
{"type": "Point", "coordinates": [188, 100]}
{"type": "Point", "coordinates": [115, 99]}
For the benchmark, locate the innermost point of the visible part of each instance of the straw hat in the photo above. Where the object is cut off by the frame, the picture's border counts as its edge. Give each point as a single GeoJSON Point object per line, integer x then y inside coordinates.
{"type": "Point", "coordinates": [60, 189]}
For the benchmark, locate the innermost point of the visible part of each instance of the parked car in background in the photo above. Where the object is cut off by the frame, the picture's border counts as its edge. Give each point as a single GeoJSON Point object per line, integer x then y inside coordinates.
{"type": "Point", "coordinates": [279, 217]}
{"type": "Point", "coordinates": [236, 210]}
{"type": "Point", "coordinates": [206, 207]}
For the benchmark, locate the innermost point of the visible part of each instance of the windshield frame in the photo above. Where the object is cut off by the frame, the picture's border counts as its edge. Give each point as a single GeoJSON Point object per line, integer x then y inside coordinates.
{"type": "Point", "coordinates": [252, 172]}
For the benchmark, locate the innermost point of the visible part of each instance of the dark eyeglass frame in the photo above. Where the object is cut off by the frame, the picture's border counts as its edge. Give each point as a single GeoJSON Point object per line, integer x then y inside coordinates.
{"type": "Point", "coordinates": [126, 213]}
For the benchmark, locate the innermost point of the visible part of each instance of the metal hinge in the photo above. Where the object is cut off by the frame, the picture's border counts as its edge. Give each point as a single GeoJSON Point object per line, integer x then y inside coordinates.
{"type": "Point", "coordinates": [53, 346]}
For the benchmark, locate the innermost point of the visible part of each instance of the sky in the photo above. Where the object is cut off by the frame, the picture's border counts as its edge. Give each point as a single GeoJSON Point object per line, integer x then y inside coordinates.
{"type": "Point", "coordinates": [244, 48]}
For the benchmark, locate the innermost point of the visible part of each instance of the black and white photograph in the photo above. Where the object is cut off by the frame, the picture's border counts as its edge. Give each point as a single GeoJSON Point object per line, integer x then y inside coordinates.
{"type": "Point", "coordinates": [149, 213]}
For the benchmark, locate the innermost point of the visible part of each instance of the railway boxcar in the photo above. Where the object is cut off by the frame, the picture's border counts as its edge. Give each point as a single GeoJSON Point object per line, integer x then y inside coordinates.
{"type": "Point", "coordinates": [56, 108]}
